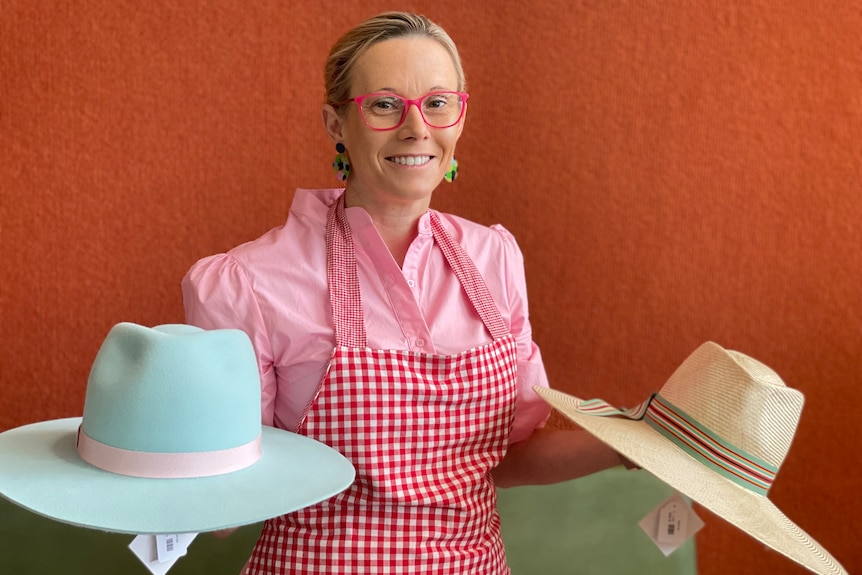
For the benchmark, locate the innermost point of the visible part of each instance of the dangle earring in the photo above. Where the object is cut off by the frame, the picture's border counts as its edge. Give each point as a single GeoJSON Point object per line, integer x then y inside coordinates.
{"type": "Point", "coordinates": [341, 165]}
{"type": "Point", "coordinates": [452, 173]}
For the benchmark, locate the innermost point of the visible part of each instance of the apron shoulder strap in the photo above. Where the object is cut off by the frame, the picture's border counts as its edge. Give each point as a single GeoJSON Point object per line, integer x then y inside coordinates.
{"type": "Point", "coordinates": [345, 298]}
{"type": "Point", "coordinates": [470, 278]}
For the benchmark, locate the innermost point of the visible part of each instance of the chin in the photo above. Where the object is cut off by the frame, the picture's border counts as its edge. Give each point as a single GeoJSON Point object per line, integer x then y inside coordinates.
{"type": "Point", "coordinates": [413, 190]}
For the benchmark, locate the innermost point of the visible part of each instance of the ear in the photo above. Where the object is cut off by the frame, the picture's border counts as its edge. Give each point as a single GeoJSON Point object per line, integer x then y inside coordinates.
{"type": "Point", "coordinates": [333, 123]}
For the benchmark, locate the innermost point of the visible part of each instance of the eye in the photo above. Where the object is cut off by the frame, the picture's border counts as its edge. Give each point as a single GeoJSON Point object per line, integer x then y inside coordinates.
{"type": "Point", "coordinates": [382, 105]}
{"type": "Point", "coordinates": [438, 101]}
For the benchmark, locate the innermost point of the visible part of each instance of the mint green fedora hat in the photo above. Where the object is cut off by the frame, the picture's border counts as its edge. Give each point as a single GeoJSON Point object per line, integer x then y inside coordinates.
{"type": "Point", "coordinates": [170, 441]}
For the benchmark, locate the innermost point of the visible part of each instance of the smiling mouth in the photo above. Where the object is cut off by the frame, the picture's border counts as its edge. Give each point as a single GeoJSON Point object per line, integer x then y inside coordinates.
{"type": "Point", "coordinates": [410, 160]}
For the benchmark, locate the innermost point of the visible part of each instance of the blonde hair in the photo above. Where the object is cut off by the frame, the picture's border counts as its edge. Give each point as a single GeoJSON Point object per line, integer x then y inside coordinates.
{"type": "Point", "coordinates": [347, 50]}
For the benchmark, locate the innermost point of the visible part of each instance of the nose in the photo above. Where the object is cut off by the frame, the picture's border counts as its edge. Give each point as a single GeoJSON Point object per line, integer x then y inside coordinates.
{"type": "Point", "coordinates": [414, 122]}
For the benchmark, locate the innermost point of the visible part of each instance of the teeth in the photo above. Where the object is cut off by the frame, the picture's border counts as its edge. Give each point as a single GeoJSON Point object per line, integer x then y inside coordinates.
{"type": "Point", "coordinates": [411, 160]}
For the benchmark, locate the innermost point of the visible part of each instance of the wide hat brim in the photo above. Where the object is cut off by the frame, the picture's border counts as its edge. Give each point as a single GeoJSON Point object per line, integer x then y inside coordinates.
{"type": "Point", "coordinates": [755, 514]}
{"type": "Point", "coordinates": [41, 471]}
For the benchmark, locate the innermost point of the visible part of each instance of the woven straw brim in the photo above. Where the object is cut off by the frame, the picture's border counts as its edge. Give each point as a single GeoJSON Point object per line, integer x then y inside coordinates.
{"type": "Point", "coordinates": [753, 513]}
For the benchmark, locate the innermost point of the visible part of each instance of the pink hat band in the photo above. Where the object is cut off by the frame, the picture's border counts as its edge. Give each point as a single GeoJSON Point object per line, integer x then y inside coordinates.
{"type": "Point", "coordinates": [167, 465]}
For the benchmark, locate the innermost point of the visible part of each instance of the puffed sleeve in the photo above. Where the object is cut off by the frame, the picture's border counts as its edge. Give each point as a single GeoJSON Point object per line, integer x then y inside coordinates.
{"type": "Point", "coordinates": [531, 411]}
{"type": "Point", "coordinates": [218, 293]}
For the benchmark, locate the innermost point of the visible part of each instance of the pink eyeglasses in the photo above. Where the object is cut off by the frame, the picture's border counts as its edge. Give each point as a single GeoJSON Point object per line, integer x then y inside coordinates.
{"type": "Point", "coordinates": [383, 111]}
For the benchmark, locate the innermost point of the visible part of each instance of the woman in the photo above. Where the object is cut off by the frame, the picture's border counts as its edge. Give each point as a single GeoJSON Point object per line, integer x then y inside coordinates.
{"type": "Point", "coordinates": [393, 333]}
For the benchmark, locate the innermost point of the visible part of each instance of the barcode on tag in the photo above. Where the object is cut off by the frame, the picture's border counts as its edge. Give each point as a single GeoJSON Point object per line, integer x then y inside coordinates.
{"type": "Point", "coordinates": [672, 520]}
{"type": "Point", "coordinates": [168, 547]}
{"type": "Point", "coordinates": [671, 523]}
{"type": "Point", "coordinates": [158, 553]}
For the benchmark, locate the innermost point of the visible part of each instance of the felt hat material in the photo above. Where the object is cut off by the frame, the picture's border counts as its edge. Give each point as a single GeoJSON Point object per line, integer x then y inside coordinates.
{"type": "Point", "coordinates": [170, 442]}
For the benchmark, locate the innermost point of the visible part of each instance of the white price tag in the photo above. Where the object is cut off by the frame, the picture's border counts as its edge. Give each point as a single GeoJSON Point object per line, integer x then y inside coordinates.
{"type": "Point", "coordinates": [158, 553]}
{"type": "Point", "coordinates": [671, 523]}
{"type": "Point", "coordinates": [169, 548]}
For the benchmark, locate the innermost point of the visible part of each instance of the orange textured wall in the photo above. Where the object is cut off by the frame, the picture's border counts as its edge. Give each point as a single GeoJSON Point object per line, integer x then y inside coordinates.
{"type": "Point", "coordinates": [675, 172]}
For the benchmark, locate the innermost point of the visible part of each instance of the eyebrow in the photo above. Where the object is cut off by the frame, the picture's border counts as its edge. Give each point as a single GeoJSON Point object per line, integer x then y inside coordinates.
{"type": "Point", "coordinates": [388, 90]}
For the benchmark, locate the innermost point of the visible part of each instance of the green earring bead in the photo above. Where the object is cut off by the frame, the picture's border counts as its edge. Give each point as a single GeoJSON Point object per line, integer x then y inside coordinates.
{"type": "Point", "coordinates": [452, 173]}
{"type": "Point", "coordinates": [341, 164]}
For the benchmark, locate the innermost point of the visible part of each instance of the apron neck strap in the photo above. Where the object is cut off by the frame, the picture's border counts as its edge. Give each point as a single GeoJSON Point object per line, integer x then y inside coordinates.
{"type": "Point", "coordinates": [470, 278]}
{"type": "Point", "coordinates": [345, 297]}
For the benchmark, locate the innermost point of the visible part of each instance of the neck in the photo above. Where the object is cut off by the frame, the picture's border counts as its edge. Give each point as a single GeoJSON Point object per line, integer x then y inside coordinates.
{"type": "Point", "coordinates": [396, 221]}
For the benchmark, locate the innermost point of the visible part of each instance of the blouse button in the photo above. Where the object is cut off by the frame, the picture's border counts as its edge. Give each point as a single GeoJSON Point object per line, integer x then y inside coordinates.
{"type": "Point", "coordinates": [420, 342]}
{"type": "Point", "coordinates": [411, 283]}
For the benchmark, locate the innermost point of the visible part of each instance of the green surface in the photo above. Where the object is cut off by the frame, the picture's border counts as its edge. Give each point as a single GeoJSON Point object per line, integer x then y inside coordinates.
{"type": "Point", "coordinates": [588, 526]}
{"type": "Point", "coordinates": [30, 544]}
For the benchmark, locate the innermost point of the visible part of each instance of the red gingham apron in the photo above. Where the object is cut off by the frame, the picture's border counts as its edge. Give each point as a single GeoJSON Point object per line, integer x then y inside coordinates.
{"type": "Point", "coordinates": [423, 431]}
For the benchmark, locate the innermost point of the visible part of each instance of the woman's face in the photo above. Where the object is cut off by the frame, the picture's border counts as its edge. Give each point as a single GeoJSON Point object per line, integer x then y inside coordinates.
{"type": "Point", "coordinates": [380, 170]}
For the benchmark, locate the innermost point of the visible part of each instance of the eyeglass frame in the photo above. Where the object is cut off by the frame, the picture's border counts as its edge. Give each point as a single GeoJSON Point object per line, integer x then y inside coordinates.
{"type": "Point", "coordinates": [407, 103]}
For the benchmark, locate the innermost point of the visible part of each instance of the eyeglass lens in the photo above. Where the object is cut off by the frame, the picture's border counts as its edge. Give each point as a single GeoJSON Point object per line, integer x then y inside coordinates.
{"type": "Point", "coordinates": [439, 109]}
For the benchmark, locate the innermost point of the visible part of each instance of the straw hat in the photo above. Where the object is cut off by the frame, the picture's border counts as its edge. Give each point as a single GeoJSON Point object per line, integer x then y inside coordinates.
{"type": "Point", "coordinates": [170, 442]}
{"type": "Point", "coordinates": [717, 431]}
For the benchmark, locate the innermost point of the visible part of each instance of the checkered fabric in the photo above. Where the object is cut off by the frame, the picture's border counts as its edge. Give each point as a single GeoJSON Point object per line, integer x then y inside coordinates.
{"type": "Point", "coordinates": [423, 431]}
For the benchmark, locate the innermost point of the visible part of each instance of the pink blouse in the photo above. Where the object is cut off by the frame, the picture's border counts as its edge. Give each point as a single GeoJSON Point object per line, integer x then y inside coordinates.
{"type": "Point", "coordinates": [274, 288]}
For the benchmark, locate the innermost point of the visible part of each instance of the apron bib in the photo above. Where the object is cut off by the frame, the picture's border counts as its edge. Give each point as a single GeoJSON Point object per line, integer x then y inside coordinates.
{"type": "Point", "coordinates": [424, 432]}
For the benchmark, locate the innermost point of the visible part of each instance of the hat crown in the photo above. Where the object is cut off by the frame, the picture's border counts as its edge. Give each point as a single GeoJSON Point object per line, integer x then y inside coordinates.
{"type": "Point", "coordinates": [173, 389]}
{"type": "Point", "coordinates": [739, 399]}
